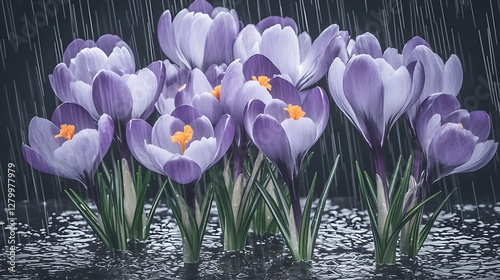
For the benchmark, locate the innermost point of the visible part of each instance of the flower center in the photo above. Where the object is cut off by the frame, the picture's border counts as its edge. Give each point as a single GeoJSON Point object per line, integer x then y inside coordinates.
{"type": "Point", "coordinates": [67, 131]}
{"type": "Point", "coordinates": [183, 137]}
{"type": "Point", "coordinates": [216, 92]}
{"type": "Point", "coordinates": [263, 81]}
{"type": "Point", "coordinates": [295, 111]}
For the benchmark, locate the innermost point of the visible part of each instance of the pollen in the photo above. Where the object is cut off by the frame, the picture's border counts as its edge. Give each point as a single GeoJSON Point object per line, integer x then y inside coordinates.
{"type": "Point", "coordinates": [295, 111]}
{"type": "Point", "coordinates": [67, 132]}
{"type": "Point", "coordinates": [216, 92]}
{"type": "Point", "coordinates": [183, 137]}
{"type": "Point", "coordinates": [263, 81]}
{"type": "Point", "coordinates": [181, 87]}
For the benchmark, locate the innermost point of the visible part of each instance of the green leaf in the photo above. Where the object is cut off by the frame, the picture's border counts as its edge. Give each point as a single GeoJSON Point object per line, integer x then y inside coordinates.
{"type": "Point", "coordinates": [427, 228]}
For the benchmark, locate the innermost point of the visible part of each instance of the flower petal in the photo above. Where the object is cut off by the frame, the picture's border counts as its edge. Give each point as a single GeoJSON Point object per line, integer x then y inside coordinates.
{"type": "Point", "coordinates": [158, 157]}
{"type": "Point", "coordinates": [451, 147]}
{"type": "Point", "coordinates": [271, 139]}
{"type": "Point", "coordinates": [301, 135]}
{"type": "Point", "coordinates": [273, 20]}
{"type": "Point", "coordinates": [224, 134]}
{"type": "Point", "coordinates": [202, 152]}
{"type": "Point", "coordinates": [368, 44]}
{"type": "Point", "coordinates": [247, 43]}
{"type": "Point", "coordinates": [112, 96]}
{"type": "Point", "coordinates": [165, 127]}
{"type": "Point", "coordinates": [87, 63]}
{"type": "Point", "coordinates": [74, 48]}
{"type": "Point", "coordinates": [201, 6]}
{"type": "Point", "coordinates": [73, 114]}
{"type": "Point", "coordinates": [259, 65]}
{"type": "Point", "coordinates": [77, 157]}
{"type": "Point", "coordinates": [281, 46]}
{"type": "Point", "coordinates": [284, 90]}
{"type": "Point", "coordinates": [37, 161]}
{"type": "Point", "coordinates": [121, 61]}
{"type": "Point", "coordinates": [186, 113]}
{"type": "Point", "coordinates": [483, 153]}
{"type": "Point", "coordinates": [254, 108]}
{"type": "Point", "coordinates": [397, 95]}
{"type": "Point", "coordinates": [276, 109]}
{"type": "Point", "coordinates": [202, 127]}
{"type": "Point", "coordinates": [208, 106]}
{"type": "Point", "coordinates": [138, 136]}
{"type": "Point", "coordinates": [317, 108]}
{"type": "Point", "coordinates": [480, 124]}
{"type": "Point", "coordinates": [453, 75]}
{"type": "Point", "coordinates": [41, 134]}
{"type": "Point", "coordinates": [166, 37]}
{"type": "Point", "coordinates": [106, 129]}
{"type": "Point", "coordinates": [144, 88]}
{"type": "Point", "coordinates": [220, 40]}
{"type": "Point", "coordinates": [60, 80]}
{"type": "Point", "coordinates": [182, 169]}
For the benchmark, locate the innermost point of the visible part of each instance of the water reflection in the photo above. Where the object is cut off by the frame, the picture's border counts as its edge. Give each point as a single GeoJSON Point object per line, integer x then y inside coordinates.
{"type": "Point", "coordinates": [463, 244]}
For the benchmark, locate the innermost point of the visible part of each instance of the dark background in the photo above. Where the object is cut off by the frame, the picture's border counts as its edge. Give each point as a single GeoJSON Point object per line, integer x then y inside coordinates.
{"type": "Point", "coordinates": [34, 34]}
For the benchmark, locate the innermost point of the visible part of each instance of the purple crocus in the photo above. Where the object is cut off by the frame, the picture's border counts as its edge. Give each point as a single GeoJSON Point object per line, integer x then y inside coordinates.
{"type": "Point", "coordinates": [453, 140]}
{"type": "Point", "coordinates": [294, 54]}
{"type": "Point", "coordinates": [242, 83]}
{"type": "Point", "coordinates": [201, 90]}
{"type": "Point", "coordinates": [182, 145]}
{"type": "Point", "coordinates": [439, 76]}
{"type": "Point", "coordinates": [285, 128]}
{"type": "Point", "coordinates": [199, 36]}
{"type": "Point", "coordinates": [373, 95]}
{"type": "Point", "coordinates": [100, 77]}
{"type": "Point", "coordinates": [71, 145]}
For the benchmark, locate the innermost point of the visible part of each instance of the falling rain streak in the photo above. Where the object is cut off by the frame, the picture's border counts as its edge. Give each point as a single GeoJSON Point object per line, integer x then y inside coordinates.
{"type": "Point", "coordinates": [35, 33]}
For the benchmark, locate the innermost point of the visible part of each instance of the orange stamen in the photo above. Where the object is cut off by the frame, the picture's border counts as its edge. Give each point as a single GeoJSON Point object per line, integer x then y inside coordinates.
{"type": "Point", "coordinates": [181, 87]}
{"type": "Point", "coordinates": [295, 112]}
{"type": "Point", "coordinates": [216, 92]}
{"type": "Point", "coordinates": [183, 137]}
{"type": "Point", "coordinates": [263, 81]}
{"type": "Point", "coordinates": [67, 132]}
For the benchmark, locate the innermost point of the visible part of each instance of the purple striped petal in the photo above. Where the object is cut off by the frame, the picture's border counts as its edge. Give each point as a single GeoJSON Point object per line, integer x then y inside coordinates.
{"type": "Point", "coordinates": [138, 136]}
{"type": "Point", "coordinates": [367, 44]}
{"type": "Point", "coordinates": [453, 75]}
{"type": "Point", "coordinates": [202, 151]}
{"type": "Point", "coordinates": [201, 6]}
{"type": "Point", "coordinates": [74, 48]}
{"type": "Point", "coordinates": [483, 153]}
{"type": "Point", "coordinates": [182, 169]}
{"type": "Point", "coordinates": [259, 65]}
{"type": "Point", "coordinates": [220, 40]}
{"type": "Point", "coordinates": [276, 109]}
{"type": "Point", "coordinates": [284, 90]}
{"type": "Point", "coordinates": [480, 125]}
{"type": "Point", "coordinates": [224, 134]}
{"type": "Point", "coordinates": [112, 96]}
{"type": "Point", "coordinates": [106, 129]}
{"type": "Point", "coordinates": [317, 108]}
{"type": "Point", "coordinates": [273, 20]}
{"type": "Point", "coordinates": [73, 114]}
{"type": "Point", "coordinates": [165, 127]}
{"type": "Point", "coordinates": [37, 161]}
{"type": "Point", "coordinates": [209, 106]}
{"type": "Point", "coordinates": [186, 113]}
{"type": "Point", "coordinates": [87, 63]}
{"type": "Point", "coordinates": [254, 108]}
{"type": "Point", "coordinates": [41, 134]}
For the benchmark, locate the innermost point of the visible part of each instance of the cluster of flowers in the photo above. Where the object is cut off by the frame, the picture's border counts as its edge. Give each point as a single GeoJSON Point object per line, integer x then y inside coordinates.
{"type": "Point", "coordinates": [226, 87]}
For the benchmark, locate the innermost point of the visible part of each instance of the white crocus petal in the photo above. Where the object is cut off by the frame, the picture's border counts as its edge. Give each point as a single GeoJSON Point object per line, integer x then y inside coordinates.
{"type": "Point", "coordinates": [143, 87]}
{"type": "Point", "coordinates": [202, 152]}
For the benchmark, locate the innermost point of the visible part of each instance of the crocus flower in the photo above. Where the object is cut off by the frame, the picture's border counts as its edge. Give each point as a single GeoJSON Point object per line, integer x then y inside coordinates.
{"type": "Point", "coordinates": [293, 54]}
{"type": "Point", "coordinates": [182, 145]}
{"type": "Point", "coordinates": [372, 94]}
{"type": "Point", "coordinates": [199, 36]}
{"type": "Point", "coordinates": [453, 140]}
{"type": "Point", "coordinates": [201, 90]}
{"type": "Point", "coordinates": [439, 76]}
{"type": "Point", "coordinates": [100, 77]}
{"type": "Point", "coordinates": [71, 145]}
{"type": "Point", "coordinates": [242, 83]}
{"type": "Point", "coordinates": [285, 128]}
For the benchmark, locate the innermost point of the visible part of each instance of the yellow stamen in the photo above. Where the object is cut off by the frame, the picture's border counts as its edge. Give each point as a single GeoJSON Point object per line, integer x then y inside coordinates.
{"type": "Point", "coordinates": [461, 125]}
{"type": "Point", "coordinates": [183, 137]}
{"type": "Point", "coordinates": [295, 111]}
{"type": "Point", "coordinates": [263, 81]}
{"type": "Point", "coordinates": [67, 131]}
{"type": "Point", "coordinates": [216, 92]}
{"type": "Point", "coordinates": [181, 87]}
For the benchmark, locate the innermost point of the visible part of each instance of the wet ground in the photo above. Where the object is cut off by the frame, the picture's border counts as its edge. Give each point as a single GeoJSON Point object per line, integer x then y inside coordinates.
{"type": "Point", "coordinates": [464, 244]}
